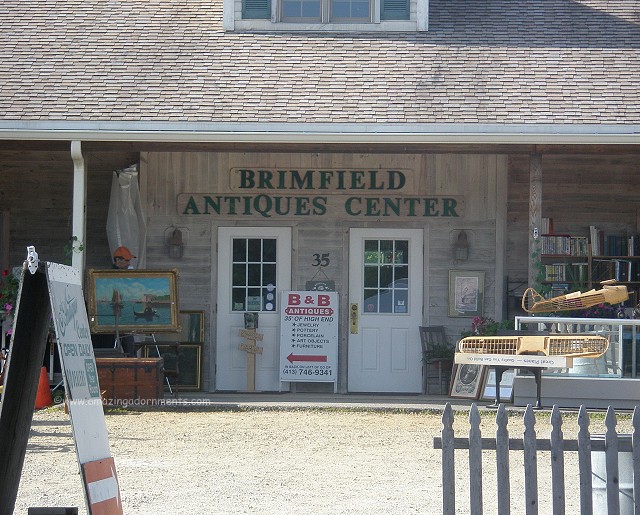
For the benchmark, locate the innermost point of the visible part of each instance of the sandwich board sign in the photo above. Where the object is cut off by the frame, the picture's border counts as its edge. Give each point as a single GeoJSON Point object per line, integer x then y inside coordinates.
{"type": "Point", "coordinates": [51, 290]}
{"type": "Point", "coordinates": [82, 389]}
{"type": "Point", "coordinates": [309, 336]}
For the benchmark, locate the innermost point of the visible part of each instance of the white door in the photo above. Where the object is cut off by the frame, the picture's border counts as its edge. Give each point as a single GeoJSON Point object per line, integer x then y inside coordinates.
{"type": "Point", "coordinates": [254, 267]}
{"type": "Point", "coordinates": [385, 291]}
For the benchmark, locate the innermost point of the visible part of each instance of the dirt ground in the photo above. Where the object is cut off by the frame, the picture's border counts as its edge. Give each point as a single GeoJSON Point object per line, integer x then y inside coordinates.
{"type": "Point", "coordinates": [289, 461]}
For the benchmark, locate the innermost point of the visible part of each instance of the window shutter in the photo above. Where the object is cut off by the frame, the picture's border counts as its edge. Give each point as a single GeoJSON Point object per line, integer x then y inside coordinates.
{"type": "Point", "coordinates": [394, 10]}
{"type": "Point", "coordinates": [256, 9]}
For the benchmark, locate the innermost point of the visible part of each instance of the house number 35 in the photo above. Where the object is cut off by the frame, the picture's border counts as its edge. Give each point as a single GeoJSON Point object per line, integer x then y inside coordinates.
{"type": "Point", "coordinates": [321, 260]}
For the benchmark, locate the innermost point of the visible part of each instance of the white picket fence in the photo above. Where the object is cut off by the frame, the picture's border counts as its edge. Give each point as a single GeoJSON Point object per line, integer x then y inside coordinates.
{"type": "Point", "coordinates": [611, 445]}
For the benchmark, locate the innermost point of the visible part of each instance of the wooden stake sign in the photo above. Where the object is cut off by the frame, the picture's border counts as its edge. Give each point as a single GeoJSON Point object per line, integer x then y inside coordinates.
{"type": "Point", "coordinates": [251, 349]}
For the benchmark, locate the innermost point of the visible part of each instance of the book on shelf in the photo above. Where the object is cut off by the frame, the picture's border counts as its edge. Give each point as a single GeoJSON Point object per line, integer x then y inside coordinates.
{"type": "Point", "coordinates": [558, 289]}
{"type": "Point", "coordinates": [603, 244]}
{"type": "Point", "coordinates": [563, 245]}
{"type": "Point", "coordinates": [622, 270]}
{"type": "Point", "coordinates": [575, 273]}
{"type": "Point", "coordinates": [555, 272]}
{"type": "Point", "coordinates": [547, 226]}
{"type": "Point", "coordinates": [620, 245]}
{"type": "Point", "coordinates": [594, 238]}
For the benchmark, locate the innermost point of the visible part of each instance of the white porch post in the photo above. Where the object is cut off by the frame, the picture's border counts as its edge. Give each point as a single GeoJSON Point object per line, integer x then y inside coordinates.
{"type": "Point", "coordinates": [79, 206]}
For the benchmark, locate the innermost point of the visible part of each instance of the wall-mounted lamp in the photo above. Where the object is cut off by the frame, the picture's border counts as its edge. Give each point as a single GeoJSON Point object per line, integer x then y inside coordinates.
{"type": "Point", "coordinates": [461, 247]}
{"type": "Point", "coordinates": [175, 244]}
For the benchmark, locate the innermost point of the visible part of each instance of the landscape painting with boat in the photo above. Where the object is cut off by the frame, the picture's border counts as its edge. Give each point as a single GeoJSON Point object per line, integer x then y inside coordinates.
{"type": "Point", "coordinates": [141, 301]}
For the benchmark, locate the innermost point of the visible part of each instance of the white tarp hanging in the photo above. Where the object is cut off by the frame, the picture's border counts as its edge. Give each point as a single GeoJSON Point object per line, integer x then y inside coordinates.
{"type": "Point", "coordinates": [126, 224]}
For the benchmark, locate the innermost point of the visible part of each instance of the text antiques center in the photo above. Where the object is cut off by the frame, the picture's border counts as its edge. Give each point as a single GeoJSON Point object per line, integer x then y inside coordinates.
{"type": "Point", "coordinates": [377, 273]}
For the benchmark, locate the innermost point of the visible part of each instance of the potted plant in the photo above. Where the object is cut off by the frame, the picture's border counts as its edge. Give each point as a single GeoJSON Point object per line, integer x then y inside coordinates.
{"type": "Point", "coordinates": [441, 355]}
{"type": "Point", "coordinates": [443, 350]}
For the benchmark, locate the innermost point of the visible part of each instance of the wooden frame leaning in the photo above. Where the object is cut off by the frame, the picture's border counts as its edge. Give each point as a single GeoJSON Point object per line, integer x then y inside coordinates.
{"type": "Point", "coordinates": [467, 381]}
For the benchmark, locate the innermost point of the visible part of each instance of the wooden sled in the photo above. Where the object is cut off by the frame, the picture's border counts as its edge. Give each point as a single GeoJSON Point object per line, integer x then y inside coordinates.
{"type": "Point", "coordinates": [533, 302]}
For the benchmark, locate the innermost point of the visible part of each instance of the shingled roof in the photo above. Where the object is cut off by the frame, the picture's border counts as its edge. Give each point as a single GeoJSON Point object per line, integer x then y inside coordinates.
{"type": "Point", "coordinates": [489, 61]}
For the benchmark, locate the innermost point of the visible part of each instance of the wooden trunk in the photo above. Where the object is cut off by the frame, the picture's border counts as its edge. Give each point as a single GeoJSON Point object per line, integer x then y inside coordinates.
{"type": "Point", "coordinates": [131, 379]}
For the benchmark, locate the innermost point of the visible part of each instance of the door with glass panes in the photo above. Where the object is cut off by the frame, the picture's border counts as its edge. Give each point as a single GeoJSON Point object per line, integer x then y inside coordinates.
{"type": "Point", "coordinates": [385, 310]}
{"type": "Point", "coordinates": [254, 267]}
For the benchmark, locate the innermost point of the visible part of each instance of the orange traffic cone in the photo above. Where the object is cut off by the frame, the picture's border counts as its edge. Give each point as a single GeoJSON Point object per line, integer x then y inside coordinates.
{"type": "Point", "coordinates": [43, 398]}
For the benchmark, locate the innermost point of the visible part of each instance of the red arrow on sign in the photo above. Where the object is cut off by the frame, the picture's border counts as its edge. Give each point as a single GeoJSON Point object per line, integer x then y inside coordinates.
{"type": "Point", "coordinates": [296, 357]}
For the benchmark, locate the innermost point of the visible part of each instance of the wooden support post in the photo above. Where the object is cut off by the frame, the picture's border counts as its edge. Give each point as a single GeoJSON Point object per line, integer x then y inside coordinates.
{"type": "Point", "coordinates": [251, 349]}
{"type": "Point", "coordinates": [535, 212]}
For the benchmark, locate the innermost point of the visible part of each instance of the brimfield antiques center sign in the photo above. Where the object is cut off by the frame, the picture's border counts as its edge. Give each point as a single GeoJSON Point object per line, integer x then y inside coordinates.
{"type": "Point", "coordinates": [287, 193]}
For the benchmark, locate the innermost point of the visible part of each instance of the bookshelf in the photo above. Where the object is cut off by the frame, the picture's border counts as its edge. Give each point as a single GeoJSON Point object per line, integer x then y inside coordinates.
{"type": "Point", "coordinates": [565, 259]}
{"type": "Point", "coordinates": [581, 262]}
{"type": "Point", "coordinates": [614, 256]}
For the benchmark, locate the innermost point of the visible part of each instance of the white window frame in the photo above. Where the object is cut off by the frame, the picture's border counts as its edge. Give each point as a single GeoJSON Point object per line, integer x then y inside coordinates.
{"type": "Point", "coordinates": [418, 20]}
{"type": "Point", "coordinates": [326, 15]}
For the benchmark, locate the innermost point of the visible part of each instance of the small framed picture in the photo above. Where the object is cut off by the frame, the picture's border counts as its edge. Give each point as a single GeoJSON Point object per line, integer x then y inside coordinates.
{"type": "Point", "coordinates": [467, 381]}
{"type": "Point", "coordinates": [506, 385]}
{"type": "Point", "coordinates": [466, 293]}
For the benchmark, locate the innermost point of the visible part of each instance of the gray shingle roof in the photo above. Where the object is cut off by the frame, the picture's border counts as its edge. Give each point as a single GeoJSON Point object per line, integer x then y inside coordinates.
{"type": "Point", "coordinates": [491, 61]}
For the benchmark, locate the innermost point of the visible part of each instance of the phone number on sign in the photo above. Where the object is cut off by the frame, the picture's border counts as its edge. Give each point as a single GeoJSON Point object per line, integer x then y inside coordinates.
{"type": "Point", "coordinates": [324, 371]}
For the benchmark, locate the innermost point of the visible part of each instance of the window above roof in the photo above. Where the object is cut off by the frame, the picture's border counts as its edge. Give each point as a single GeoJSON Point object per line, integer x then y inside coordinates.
{"type": "Point", "coordinates": [326, 15]}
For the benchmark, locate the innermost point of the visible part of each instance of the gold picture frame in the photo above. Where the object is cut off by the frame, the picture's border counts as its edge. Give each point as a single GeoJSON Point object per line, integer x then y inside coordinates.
{"type": "Point", "coordinates": [133, 301]}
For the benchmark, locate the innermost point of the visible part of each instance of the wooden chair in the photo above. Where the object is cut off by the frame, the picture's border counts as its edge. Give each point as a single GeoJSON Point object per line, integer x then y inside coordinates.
{"type": "Point", "coordinates": [436, 363]}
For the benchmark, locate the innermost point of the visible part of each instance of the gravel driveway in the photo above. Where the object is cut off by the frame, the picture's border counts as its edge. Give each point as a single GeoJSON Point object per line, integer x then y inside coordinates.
{"type": "Point", "coordinates": [288, 461]}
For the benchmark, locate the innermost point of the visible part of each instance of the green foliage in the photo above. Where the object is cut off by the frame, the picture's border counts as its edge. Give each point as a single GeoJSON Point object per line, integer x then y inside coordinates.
{"type": "Point", "coordinates": [442, 350]}
{"type": "Point", "coordinates": [74, 245]}
{"type": "Point", "coordinates": [540, 273]}
{"type": "Point", "coordinates": [9, 285]}
{"type": "Point", "coordinates": [8, 290]}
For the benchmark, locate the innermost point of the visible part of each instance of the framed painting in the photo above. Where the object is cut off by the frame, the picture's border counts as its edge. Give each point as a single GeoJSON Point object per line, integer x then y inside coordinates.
{"type": "Point", "coordinates": [191, 328]}
{"type": "Point", "coordinates": [466, 293]}
{"type": "Point", "coordinates": [506, 385]}
{"type": "Point", "coordinates": [184, 358]}
{"type": "Point", "coordinates": [132, 301]}
{"type": "Point", "coordinates": [466, 381]}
